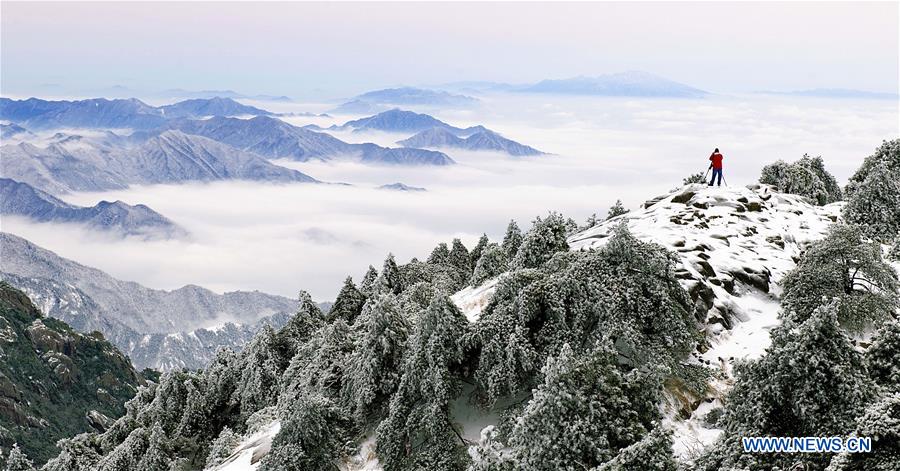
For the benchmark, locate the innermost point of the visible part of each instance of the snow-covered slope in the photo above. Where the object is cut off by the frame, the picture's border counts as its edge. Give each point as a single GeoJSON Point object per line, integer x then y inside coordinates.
{"type": "Point", "coordinates": [734, 244]}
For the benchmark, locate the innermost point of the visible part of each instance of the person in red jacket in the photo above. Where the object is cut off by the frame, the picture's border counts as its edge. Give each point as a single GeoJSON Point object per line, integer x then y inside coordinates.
{"type": "Point", "coordinates": [716, 166]}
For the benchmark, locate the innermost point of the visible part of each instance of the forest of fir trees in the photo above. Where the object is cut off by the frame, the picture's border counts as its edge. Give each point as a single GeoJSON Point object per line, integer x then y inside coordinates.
{"type": "Point", "coordinates": [573, 353]}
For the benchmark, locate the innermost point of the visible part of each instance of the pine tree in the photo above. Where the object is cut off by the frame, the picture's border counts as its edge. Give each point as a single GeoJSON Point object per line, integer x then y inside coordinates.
{"type": "Point", "coordinates": [477, 251]}
{"type": "Point", "coordinates": [313, 432]}
{"type": "Point", "coordinates": [694, 178]}
{"type": "Point", "coordinates": [368, 282]}
{"type": "Point", "coordinates": [491, 264]}
{"type": "Point", "coordinates": [546, 237]}
{"type": "Point", "coordinates": [318, 367]}
{"type": "Point", "coordinates": [440, 255]}
{"type": "Point", "coordinates": [627, 290]}
{"type": "Point", "coordinates": [881, 423]}
{"type": "Point", "coordinates": [126, 455]}
{"type": "Point", "coordinates": [583, 413]}
{"type": "Point", "coordinates": [873, 193]}
{"type": "Point", "coordinates": [389, 281]}
{"type": "Point", "coordinates": [810, 382]}
{"type": "Point", "coordinates": [348, 304]}
{"type": "Point", "coordinates": [590, 222]}
{"type": "Point", "coordinates": [490, 454]}
{"type": "Point", "coordinates": [158, 454]}
{"type": "Point", "coordinates": [373, 369]}
{"type": "Point", "coordinates": [806, 177]}
{"type": "Point", "coordinates": [418, 433]}
{"type": "Point", "coordinates": [260, 372]}
{"type": "Point", "coordinates": [875, 205]}
{"type": "Point", "coordinates": [17, 460]}
{"type": "Point", "coordinates": [79, 453]}
{"type": "Point", "coordinates": [883, 356]}
{"type": "Point", "coordinates": [459, 256]}
{"type": "Point", "coordinates": [298, 330]}
{"type": "Point", "coordinates": [616, 210]}
{"type": "Point", "coordinates": [843, 267]}
{"type": "Point", "coordinates": [222, 447]}
{"type": "Point", "coordinates": [512, 240]}
{"type": "Point", "coordinates": [652, 453]}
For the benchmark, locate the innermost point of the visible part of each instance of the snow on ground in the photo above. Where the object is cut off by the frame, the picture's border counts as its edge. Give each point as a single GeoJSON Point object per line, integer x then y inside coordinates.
{"type": "Point", "coordinates": [734, 244]}
{"type": "Point", "coordinates": [248, 454]}
{"type": "Point", "coordinates": [364, 459]}
{"type": "Point", "coordinates": [473, 299]}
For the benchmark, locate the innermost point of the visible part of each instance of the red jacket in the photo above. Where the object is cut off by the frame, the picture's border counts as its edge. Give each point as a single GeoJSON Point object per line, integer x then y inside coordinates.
{"type": "Point", "coordinates": [716, 159]}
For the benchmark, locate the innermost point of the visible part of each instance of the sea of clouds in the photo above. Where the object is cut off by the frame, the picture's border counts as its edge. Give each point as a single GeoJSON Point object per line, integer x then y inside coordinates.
{"type": "Point", "coordinates": [284, 238]}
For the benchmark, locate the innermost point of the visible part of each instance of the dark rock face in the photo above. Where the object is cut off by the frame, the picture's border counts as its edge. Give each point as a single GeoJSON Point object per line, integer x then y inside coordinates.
{"type": "Point", "coordinates": [54, 381]}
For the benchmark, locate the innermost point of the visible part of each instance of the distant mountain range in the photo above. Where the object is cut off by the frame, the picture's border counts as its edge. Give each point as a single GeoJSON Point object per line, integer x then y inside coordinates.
{"type": "Point", "coordinates": [626, 84]}
{"type": "Point", "coordinates": [400, 187]}
{"type": "Point", "coordinates": [157, 328]}
{"type": "Point", "coordinates": [12, 130]}
{"type": "Point", "coordinates": [78, 163]}
{"type": "Point", "coordinates": [634, 84]}
{"type": "Point", "coordinates": [129, 113]}
{"type": "Point", "coordinates": [273, 138]}
{"type": "Point", "coordinates": [485, 140]}
{"type": "Point", "coordinates": [21, 199]}
{"type": "Point", "coordinates": [400, 121]}
{"type": "Point", "coordinates": [434, 133]}
{"type": "Point", "coordinates": [217, 106]}
{"type": "Point", "coordinates": [837, 93]}
{"type": "Point", "coordinates": [380, 100]}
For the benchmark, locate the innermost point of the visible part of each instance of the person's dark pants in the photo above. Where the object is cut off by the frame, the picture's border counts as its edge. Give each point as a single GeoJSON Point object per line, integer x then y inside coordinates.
{"type": "Point", "coordinates": [716, 171]}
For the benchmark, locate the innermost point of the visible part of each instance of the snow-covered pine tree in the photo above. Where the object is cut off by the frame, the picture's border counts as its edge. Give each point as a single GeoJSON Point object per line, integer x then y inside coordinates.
{"type": "Point", "coordinates": [299, 328]}
{"type": "Point", "coordinates": [881, 423]}
{"type": "Point", "coordinates": [806, 177]}
{"type": "Point", "coordinates": [883, 356]}
{"type": "Point", "coordinates": [616, 210]}
{"type": "Point", "coordinates": [348, 304]}
{"type": "Point", "coordinates": [844, 267]}
{"type": "Point", "coordinates": [492, 263]}
{"type": "Point", "coordinates": [222, 447]}
{"type": "Point", "coordinates": [374, 367]}
{"type": "Point", "coordinates": [651, 453]}
{"type": "Point", "coordinates": [368, 282]}
{"type": "Point", "coordinates": [389, 280]}
{"type": "Point", "coordinates": [259, 374]}
{"type": "Point", "coordinates": [16, 460]}
{"type": "Point", "coordinates": [126, 455]}
{"type": "Point", "coordinates": [590, 222]}
{"type": "Point", "coordinates": [459, 256]}
{"type": "Point", "coordinates": [476, 252]}
{"type": "Point", "coordinates": [79, 453]}
{"type": "Point", "coordinates": [583, 412]}
{"type": "Point", "coordinates": [318, 367]}
{"type": "Point", "coordinates": [490, 454]}
{"type": "Point", "coordinates": [511, 240]}
{"type": "Point", "coordinates": [418, 433]}
{"type": "Point", "coordinates": [694, 178]}
{"type": "Point", "coordinates": [626, 290]}
{"type": "Point", "coordinates": [811, 382]}
{"type": "Point", "coordinates": [546, 237]}
{"type": "Point", "coordinates": [873, 193]}
{"type": "Point", "coordinates": [313, 433]}
{"type": "Point", "coordinates": [440, 254]}
{"type": "Point", "coordinates": [158, 454]}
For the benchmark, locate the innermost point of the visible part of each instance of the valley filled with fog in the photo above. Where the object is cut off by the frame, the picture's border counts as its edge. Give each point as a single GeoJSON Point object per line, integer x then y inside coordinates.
{"type": "Point", "coordinates": [281, 237]}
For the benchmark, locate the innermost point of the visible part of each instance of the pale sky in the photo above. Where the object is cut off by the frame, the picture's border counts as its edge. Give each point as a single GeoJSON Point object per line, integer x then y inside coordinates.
{"type": "Point", "coordinates": [318, 50]}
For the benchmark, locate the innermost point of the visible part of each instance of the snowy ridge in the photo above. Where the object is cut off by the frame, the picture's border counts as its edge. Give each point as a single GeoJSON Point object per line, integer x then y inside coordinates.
{"type": "Point", "coordinates": [734, 245]}
{"type": "Point", "coordinates": [249, 453]}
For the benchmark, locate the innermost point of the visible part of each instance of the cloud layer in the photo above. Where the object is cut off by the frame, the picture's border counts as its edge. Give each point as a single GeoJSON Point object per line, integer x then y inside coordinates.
{"type": "Point", "coordinates": [283, 238]}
